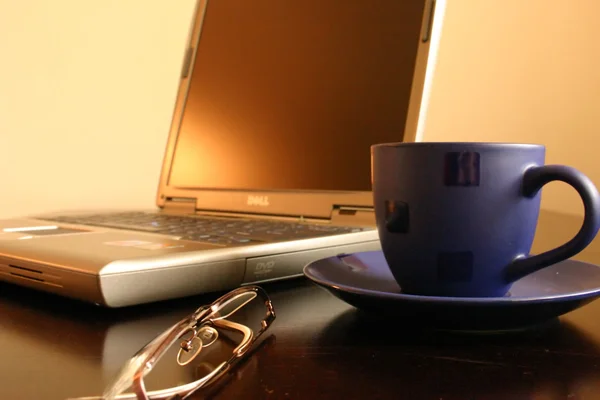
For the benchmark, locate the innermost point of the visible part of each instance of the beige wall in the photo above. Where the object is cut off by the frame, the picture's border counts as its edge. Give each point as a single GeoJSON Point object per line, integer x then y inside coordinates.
{"type": "Point", "coordinates": [524, 71]}
{"type": "Point", "coordinates": [86, 94]}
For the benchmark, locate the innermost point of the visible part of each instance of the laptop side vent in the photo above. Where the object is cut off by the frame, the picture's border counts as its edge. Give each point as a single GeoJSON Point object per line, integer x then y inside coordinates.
{"type": "Point", "coordinates": [17, 272]}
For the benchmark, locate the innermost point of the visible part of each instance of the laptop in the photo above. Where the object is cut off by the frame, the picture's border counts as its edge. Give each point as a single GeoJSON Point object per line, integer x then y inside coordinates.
{"type": "Point", "coordinates": [267, 163]}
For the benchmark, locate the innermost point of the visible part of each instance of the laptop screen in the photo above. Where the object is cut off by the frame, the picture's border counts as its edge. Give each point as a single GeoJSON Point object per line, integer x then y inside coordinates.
{"type": "Point", "coordinates": [290, 95]}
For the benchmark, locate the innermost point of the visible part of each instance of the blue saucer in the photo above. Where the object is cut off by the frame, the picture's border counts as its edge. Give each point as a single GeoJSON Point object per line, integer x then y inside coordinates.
{"type": "Point", "coordinates": [364, 281]}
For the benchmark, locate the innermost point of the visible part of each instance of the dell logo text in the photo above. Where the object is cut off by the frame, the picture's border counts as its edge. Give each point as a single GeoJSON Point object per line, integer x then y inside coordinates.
{"type": "Point", "coordinates": [262, 201]}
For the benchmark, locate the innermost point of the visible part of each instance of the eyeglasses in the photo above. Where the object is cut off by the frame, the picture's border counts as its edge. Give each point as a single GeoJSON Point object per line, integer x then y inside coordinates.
{"type": "Point", "coordinates": [219, 335]}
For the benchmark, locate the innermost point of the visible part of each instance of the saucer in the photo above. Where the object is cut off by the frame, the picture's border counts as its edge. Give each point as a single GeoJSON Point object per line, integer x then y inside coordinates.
{"type": "Point", "coordinates": [364, 281]}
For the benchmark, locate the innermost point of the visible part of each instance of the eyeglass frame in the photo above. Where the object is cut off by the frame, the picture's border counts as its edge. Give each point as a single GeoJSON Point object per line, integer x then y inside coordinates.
{"type": "Point", "coordinates": [203, 316]}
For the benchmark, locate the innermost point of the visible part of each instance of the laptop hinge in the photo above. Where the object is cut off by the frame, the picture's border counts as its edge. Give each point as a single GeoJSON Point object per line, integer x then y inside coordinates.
{"type": "Point", "coordinates": [180, 205]}
{"type": "Point", "coordinates": [355, 216]}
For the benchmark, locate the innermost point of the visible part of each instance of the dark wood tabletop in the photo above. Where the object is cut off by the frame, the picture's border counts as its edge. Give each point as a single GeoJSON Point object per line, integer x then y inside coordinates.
{"type": "Point", "coordinates": [318, 348]}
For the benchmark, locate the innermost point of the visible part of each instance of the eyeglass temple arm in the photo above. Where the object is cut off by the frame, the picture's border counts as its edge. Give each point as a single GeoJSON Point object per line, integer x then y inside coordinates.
{"type": "Point", "coordinates": [179, 392]}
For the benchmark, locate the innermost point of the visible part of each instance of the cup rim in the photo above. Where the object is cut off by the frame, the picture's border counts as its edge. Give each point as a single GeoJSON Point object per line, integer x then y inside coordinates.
{"type": "Point", "coordinates": [511, 145]}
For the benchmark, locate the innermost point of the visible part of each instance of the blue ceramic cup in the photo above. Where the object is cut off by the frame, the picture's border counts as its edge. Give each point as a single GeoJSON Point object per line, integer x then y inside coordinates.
{"type": "Point", "coordinates": [459, 219]}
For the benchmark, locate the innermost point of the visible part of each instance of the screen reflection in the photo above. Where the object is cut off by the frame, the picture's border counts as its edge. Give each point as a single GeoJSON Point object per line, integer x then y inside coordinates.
{"type": "Point", "coordinates": [291, 95]}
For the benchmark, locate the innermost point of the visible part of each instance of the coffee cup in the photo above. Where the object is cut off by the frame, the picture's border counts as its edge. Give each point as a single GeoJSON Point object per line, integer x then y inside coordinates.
{"type": "Point", "coordinates": [459, 219]}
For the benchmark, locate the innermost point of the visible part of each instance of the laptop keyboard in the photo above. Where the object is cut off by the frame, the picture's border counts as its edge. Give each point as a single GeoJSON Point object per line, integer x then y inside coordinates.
{"type": "Point", "coordinates": [221, 231]}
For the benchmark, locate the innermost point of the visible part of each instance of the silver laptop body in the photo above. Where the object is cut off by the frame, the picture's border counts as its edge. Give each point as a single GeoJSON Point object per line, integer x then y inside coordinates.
{"type": "Point", "coordinates": [267, 165]}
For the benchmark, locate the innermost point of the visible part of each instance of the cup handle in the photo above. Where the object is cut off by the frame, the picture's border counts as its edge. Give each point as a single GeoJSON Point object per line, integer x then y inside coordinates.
{"type": "Point", "coordinates": [534, 179]}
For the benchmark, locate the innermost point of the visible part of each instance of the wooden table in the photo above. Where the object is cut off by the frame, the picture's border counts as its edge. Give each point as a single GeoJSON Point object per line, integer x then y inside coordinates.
{"type": "Point", "coordinates": [319, 347]}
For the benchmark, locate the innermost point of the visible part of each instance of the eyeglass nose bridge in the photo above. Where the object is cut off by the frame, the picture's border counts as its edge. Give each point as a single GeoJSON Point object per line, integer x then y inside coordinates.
{"type": "Point", "coordinates": [200, 338]}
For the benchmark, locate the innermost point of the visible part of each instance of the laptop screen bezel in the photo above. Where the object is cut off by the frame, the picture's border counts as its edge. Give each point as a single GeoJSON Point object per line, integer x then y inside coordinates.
{"type": "Point", "coordinates": [305, 203]}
